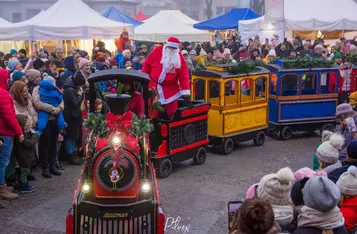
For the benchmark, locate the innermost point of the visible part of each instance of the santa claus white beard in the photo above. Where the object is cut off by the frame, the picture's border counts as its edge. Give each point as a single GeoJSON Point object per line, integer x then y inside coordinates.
{"type": "Point", "coordinates": [171, 59]}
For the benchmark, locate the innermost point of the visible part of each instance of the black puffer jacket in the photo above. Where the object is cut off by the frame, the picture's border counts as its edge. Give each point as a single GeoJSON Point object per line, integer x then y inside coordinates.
{"type": "Point", "coordinates": [72, 109]}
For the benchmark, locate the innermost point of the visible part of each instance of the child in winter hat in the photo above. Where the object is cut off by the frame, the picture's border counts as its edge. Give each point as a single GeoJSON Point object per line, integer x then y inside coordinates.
{"type": "Point", "coordinates": [348, 186]}
{"type": "Point", "coordinates": [328, 153]}
{"type": "Point", "coordinates": [321, 197]}
{"type": "Point", "coordinates": [307, 173]}
{"type": "Point", "coordinates": [50, 94]}
{"type": "Point", "coordinates": [276, 189]}
{"type": "Point", "coordinates": [14, 64]}
{"type": "Point", "coordinates": [325, 137]}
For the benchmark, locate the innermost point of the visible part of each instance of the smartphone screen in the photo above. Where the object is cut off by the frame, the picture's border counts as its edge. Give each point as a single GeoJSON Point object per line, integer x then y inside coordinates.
{"type": "Point", "coordinates": [232, 208]}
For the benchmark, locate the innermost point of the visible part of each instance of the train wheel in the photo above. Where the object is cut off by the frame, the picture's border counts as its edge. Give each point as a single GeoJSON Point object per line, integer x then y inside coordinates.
{"type": "Point", "coordinates": [228, 146]}
{"type": "Point", "coordinates": [328, 127]}
{"type": "Point", "coordinates": [286, 133]}
{"type": "Point", "coordinates": [200, 156]}
{"type": "Point", "coordinates": [259, 138]}
{"type": "Point", "coordinates": [165, 168]}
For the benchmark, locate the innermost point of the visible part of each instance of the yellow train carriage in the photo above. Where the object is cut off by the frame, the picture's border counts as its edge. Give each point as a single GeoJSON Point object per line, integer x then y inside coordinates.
{"type": "Point", "coordinates": [239, 105]}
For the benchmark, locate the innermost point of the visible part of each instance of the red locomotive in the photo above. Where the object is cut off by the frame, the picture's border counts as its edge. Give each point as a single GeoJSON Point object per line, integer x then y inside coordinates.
{"type": "Point", "coordinates": [117, 191]}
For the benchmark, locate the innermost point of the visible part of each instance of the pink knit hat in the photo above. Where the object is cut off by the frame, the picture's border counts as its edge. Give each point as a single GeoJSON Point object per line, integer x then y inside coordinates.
{"type": "Point", "coordinates": [82, 62]}
{"type": "Point", "coordinates": [307, 173]}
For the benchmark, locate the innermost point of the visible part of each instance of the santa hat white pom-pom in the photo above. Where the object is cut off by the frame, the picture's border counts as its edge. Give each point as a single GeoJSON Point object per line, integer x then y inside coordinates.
{"type": "Point", "coordinates": [337, 141]}
{"type": "Point", "coordinates": [352, 170]}
{"type": "Point", "coordinates": [285, 175]}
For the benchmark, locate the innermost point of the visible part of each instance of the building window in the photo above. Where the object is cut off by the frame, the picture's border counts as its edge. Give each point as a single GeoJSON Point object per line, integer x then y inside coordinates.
{"type": "Point", "coordinates": [16, 17]}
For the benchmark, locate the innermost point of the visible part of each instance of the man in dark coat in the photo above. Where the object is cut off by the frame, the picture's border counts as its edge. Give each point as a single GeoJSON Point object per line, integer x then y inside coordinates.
{"type": "Point", "coordinates": [69, 66]}
{"type": "Point", "coordinates": [73, 97]}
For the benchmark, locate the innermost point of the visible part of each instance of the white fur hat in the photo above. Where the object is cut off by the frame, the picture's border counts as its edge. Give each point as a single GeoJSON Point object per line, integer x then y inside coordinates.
{"type": "Point", "coordinates": [325, 136]}
{"type": "Point", "coordinates": [328, 152]}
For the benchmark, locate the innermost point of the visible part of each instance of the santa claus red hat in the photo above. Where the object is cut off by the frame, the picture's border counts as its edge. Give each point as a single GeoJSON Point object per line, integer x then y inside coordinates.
{"type": "Point", "coordinates": [173, 42]}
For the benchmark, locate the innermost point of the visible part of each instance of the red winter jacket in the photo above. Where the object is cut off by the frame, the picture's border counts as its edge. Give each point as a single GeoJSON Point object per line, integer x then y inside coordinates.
{"type": "Point", "coordinates": [8, 123]}
{"type": "Point", "coordinates": [349, 211]}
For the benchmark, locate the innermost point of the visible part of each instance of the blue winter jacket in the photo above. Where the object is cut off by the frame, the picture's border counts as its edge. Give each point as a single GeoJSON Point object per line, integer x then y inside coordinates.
{"type": "Point", "coordinates": [120, 59]}
{"type": "Point", "coordinates": [50, 94]}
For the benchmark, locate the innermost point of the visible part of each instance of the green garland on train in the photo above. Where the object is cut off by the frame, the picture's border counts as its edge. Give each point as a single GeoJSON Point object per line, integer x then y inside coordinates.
{"type": "Point", "coordinates": [244, 67]}
{"type": "Point", "coordinates": [304, 62]}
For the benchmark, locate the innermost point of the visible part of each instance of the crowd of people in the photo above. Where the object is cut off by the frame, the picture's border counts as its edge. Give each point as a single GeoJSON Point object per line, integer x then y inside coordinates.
{"type": "Point", "coordinates": [321, 200]}
{"type": "Point", "coordinates": [42, 105]}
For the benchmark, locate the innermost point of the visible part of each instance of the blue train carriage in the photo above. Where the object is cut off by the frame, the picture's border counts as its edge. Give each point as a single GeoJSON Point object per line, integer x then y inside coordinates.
{"type": "Point", "coordinates": [239, 103]}
{"type": "Point", "coordinates": [302, 99]}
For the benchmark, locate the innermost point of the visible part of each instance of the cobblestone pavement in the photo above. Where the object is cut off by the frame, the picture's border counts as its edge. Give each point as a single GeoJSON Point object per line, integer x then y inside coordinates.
{"type": "Point", "coordinates": [198, 195]}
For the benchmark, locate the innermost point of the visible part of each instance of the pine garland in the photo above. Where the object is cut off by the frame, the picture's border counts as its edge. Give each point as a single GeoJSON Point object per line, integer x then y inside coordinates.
{"type": "Point", "coordinates": [244, 67]}
{"type": "Point", "coordinates": [304, 62]}
{"type": "Point", "coordinates": [96, 123]}
{"type": "Point", "coordinates": [352, 58]}
{"type": "Point", "coordinates": [141, 126]}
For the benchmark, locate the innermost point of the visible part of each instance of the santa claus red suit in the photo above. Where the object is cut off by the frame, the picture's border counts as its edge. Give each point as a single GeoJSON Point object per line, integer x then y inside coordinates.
{"type": "Point", "coordinates": [168, 74]}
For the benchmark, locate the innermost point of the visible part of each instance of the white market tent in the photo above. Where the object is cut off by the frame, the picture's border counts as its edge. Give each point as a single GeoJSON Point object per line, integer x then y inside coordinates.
{"type": "Point", "coordinates": [304, 15]}
{"type": "Point", "coordinates": [169, 23]}
{"type": "Point", "coordinates": [64, 20]}
{"type": "Point", "coordinates": [4, 22]}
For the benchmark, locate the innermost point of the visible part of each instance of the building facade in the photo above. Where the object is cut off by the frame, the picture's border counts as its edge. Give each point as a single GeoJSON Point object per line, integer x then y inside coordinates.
{"type": "Point", "coordinates": [20, 10]}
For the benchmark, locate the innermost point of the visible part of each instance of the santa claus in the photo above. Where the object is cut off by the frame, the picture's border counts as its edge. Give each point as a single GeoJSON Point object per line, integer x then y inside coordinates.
{"type": "Point", "coordinates": [169, 75]}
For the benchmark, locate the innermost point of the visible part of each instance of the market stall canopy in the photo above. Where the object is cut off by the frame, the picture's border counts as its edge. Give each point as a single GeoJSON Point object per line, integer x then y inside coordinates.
{"type": "Point", "coordinates": [141, 17]}
{"type": "Point", "coordinates": [114, 14]}
{"type": "Point", "coordinates": [4, 22]}
{"type": "Point", "coordinates": [297, 16]}
{"type": "Point", "coordinates": [169, 23]}
{"type": "Point", "coordinates": [228, 20]}
{"type": "Point", "coordinates": [65, 20]}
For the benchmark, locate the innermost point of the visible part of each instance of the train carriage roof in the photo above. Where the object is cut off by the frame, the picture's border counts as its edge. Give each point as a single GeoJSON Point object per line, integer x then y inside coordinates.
{"type": "Point", "coordinates": [279, 68]}
{"type": "Point", "coordinates": [120, 75]}
{"type": "Point", "coordinates": [228, 75]}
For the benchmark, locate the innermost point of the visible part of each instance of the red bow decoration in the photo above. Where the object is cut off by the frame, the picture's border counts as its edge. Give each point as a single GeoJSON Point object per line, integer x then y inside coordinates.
{"type": "Point", "coordinates": [119, 121]}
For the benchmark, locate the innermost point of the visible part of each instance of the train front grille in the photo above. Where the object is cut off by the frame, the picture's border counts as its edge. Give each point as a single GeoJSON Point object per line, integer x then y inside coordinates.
{"type": "Point", "coordinates": [139, 225]}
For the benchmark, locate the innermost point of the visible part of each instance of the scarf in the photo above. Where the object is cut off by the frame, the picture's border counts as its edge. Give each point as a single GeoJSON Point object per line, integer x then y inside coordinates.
{"type": "Point", "coordinates": [284, 215]}
{"type": "Point", "coordinates": [309, 217]}
{"type": "Point", "coordinates": [332, 167]}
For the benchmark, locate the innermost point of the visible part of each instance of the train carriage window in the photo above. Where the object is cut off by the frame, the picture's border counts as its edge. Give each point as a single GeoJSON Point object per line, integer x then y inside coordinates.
{"type": "Point", "coordinates": [308, 84]}
{"type": "Point", "coordinates": [328, 82]}
{"type": "Point", "coordinates": [289, 84]}
{"type": "Point", "coordinates": [199, 89]}
{"type": "Point", "coordinates": [246, 90]}
{"type": "Point", "coordinates": [260, 88]}
{"type": "Point", "coordinates": [273, 84]}
{"type": "Point", "coordinates": [231, 94]}
{"type": "Point", "coordinates": [214, 92]}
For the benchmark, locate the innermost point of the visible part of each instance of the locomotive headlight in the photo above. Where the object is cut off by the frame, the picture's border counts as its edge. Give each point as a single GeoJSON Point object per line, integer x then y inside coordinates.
{"type": "Point", "coordinates": [85, 188]}
{"type": "Point", "coordinates": [116, 140]}
{"type": "Point", "coordinates": [145, 186]}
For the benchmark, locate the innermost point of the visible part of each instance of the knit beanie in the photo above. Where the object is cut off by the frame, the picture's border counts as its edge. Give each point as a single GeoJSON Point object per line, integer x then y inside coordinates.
{"type": "Point", "coordinates": [326, 135]}
{"type": "Point", "coordinates": [100, 59]}
{"type": "Point", "coordinates": [50, 79]}
{"type": "Point", "coordinates": [78, 79]}
{"type": "Point", "coordinates": [17, 75]}
{"type": "Point", "coordinates": [276, 188]}
{"type": "Point", "coordinates": [328, 152]}
{"type": "Point", "coordinates": [12, 63]}
{"type": "Point", "coordinates": [353, 47]}
{"type": "Point", "coordinates": [321, 194]}
{"type": "Point", "coordinates": [38, 63]}
{"type": "Point", "coordinates": [348, 182]}
{"type": "Point", "coordinates": [32, 74]}
{"type": "Point", "coordinates": [352, 152]}
{"type": "Point", "coordinates": [127, 46]}
{"type": "Point", "coordinates": [13, 51]}
{"type": "Point", "coordinates": [307, 173]}
{"type": "Point", "coordinates": [144, 47]}
{"type": "Point", "coordinates": [203, 53]}
{"type": "Point", "coordinates": [297, 196]}
{"type": "Point", "coordinates": [82, 62]}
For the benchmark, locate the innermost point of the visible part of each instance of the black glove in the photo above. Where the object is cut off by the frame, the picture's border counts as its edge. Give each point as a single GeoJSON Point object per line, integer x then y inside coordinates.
{"type": "Point", "coordinates": [187, 101]}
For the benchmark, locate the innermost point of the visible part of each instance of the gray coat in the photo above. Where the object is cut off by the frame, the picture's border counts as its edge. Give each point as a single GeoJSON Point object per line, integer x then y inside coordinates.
{"type": "Point", "coordinates": [348, 139]}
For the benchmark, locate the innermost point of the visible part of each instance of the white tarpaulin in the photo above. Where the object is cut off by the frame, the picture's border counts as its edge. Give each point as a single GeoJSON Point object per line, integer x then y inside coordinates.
{"type": "Point", "coordinates": [308, 15]}
{"type": "Point", "coordinates": [65, 20]}
{"type": "Point", "coordinates": [4, 22]}
{"type": "Point", "coordinates": [169, 23]}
